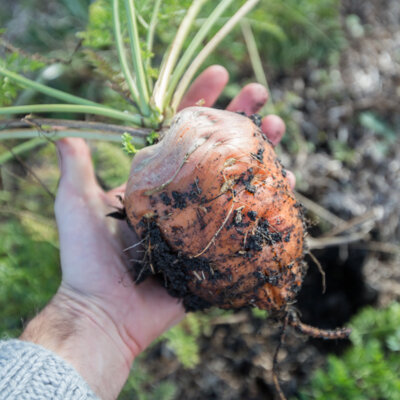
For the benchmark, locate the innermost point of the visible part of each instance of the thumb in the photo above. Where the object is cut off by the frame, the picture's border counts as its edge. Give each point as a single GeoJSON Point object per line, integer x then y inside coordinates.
{"type": "Point", "coordinates": [76, 166]}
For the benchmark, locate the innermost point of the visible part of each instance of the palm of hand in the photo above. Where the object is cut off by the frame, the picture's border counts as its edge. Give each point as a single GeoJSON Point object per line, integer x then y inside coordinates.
{"type": "Point", "coordinates": [93, 260]}
{"type": "Point", "coordinates": [94, 264]}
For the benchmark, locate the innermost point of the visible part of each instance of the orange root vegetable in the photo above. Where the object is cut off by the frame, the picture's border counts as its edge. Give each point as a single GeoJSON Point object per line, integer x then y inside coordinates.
{"type": "Point", "coordinates": [219, 222]}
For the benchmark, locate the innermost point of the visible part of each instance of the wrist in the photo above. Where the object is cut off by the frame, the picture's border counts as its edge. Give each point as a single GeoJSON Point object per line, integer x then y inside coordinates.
{"type": "Point", "coordinates": [76, 328]}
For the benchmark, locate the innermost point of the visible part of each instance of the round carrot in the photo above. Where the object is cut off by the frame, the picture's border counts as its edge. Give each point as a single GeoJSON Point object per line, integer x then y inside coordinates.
{"type": "Point", "coordinates": [214, 209]}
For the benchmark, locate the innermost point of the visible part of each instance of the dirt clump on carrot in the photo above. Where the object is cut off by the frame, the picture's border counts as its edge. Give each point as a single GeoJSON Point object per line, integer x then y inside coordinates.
{"type": "Point", "coordinates": [218, 220]}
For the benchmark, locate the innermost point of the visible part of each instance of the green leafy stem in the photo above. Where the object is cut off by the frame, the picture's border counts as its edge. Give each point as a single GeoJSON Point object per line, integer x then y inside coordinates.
{"type": "Point", "coordinates": [176, 71]}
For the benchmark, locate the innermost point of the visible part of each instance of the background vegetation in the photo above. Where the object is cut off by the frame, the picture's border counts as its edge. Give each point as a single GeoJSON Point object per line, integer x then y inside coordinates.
{"type": "Point", "coordinates": [69, 45]}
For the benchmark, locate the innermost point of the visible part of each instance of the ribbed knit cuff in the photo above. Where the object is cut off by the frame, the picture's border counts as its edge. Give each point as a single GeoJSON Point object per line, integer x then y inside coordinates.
{"type": "Point", "coordinates": [31, 372]}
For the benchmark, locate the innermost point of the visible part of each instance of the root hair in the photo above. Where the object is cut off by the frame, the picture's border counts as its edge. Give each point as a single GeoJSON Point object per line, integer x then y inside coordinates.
{"type": "Point", "coordinates": [320, 269]}
{"type": "Point", "coordinates": [216, 233]}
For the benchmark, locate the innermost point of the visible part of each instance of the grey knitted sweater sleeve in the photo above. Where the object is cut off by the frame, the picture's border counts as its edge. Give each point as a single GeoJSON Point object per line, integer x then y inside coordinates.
{"type": "Point", "coordinates": [31, 372]}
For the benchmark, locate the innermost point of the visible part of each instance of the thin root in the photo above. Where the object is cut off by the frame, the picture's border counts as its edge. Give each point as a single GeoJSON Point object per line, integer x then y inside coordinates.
{"type": "Point", "coordinates": [320, 269]}
{"type": "Point", "coordinates": [338, 333]}
{"type": "Point", "coordinates": [292, 319]}
{"type": "Point", "coordinates": [137, 279]}
{"type": "Point", "coordinates": [275, 371]}
{"type": "Point", "coordinates": [197, 275]}
{"type": "Point", "coordinates": [216, 233]}
{"type": "Point", "coordinates": [134, 245]}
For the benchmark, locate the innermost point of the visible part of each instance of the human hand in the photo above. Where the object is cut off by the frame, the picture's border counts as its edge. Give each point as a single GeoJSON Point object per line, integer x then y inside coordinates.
{"type": "Point", "coordinates": [99, 319]}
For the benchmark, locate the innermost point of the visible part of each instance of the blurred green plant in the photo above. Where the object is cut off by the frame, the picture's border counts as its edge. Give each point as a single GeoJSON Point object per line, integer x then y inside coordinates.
{"type": "Point", "coordinates": [183, 339]}
{"type": "Point", "coordinates": [342, 151]}
{"type": "Point", "coordinates": [29, 256]}
{"type": "Point", "coordinates": [110, 173]}
{"type": "Point", "coordinates": [260, 314]}
{"type": "Point", "coordinates": [374, 124]}
{"type": "Point", "coordinates": [293, 31]}
{"type": "Point", "coordinates": [29, 272]}
{"type": "Point", "coordinates": [354, 26]}
{"type": "Point", "coordinates": [15, 62]}
{"type": "Point", "coordinates": [370, 369]}
{"type": "Point", "coordinates": [141, 385]}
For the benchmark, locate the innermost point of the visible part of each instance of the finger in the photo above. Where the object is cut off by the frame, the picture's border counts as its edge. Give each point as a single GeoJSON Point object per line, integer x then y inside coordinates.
{"type": "Point", "coordinates": [274, 128]}
{"type": "Point", "coordinates": [250, 100]}
{"type": "Point", "coordinates": [118, 191]}
{"type": "Point", "coordinates": [76, 165]}
{"type": "Point", "coordinates": [207, 87]}
{"type": "Point", "coordinates": [114, 198]}
{"type": "Point", "coordinates": [291, 178]}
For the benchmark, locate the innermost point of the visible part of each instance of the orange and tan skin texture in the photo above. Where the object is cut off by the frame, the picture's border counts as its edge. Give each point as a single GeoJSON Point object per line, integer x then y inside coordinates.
{"type": "Point", "coordinates": [219, 198]}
